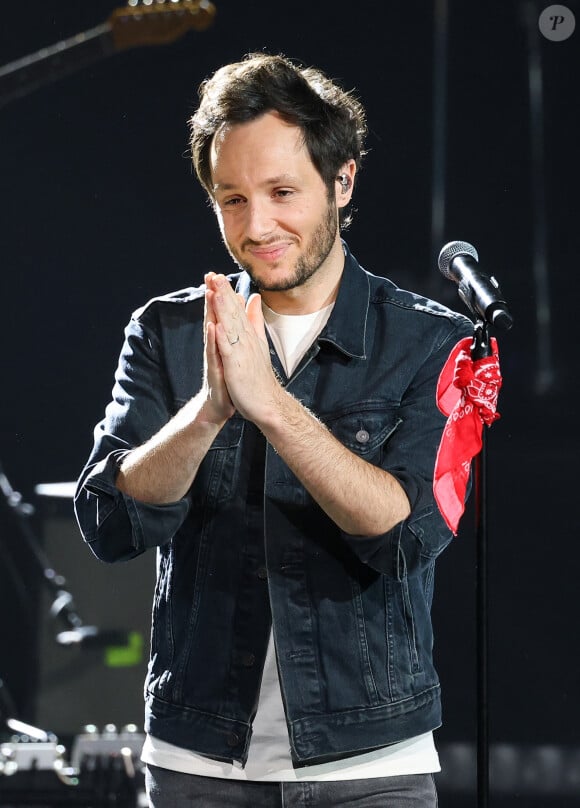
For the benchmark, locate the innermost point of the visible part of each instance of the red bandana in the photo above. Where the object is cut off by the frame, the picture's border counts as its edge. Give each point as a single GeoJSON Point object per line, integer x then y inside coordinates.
{"type": "Point", "coordinates": [467, 393]}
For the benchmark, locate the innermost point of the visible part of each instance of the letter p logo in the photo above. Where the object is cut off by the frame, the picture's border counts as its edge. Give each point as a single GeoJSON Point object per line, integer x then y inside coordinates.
{"type": "Point", "coordinates": [557, 23]}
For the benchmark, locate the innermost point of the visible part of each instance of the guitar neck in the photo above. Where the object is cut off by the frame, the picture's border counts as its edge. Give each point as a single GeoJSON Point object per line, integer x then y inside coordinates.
{"type": "Point", "coordinates": [18, 78]}
{"type": "Point", "coordinates": [140, 22]}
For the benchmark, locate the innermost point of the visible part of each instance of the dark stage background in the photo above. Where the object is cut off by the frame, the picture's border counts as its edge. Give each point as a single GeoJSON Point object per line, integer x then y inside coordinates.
{"type": "Point", "coordinates": [100, 212]}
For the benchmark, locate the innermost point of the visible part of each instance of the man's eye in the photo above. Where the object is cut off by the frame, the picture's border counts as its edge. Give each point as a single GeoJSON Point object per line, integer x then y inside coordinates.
{"type": "Point", "coordinates": [283, 192]}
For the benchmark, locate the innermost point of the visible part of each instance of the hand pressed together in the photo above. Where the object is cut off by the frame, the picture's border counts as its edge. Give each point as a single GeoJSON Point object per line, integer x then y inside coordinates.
{"type": "Point", "coordinates": [239, 372]}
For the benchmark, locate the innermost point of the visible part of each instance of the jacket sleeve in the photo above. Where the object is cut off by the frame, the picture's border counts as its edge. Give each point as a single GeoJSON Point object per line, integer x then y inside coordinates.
{"type": "Point", "coordinates": [115, 526]}
{"type": "Point", "coordinates": [410, 456]}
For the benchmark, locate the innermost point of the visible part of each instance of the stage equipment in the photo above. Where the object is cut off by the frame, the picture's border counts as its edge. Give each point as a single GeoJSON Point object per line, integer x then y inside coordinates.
{"type": "Point", "coordinates": [93, 673]}
{"type": "Point", "coordinates": [458, 261]}
{"type": "Point", "coordinates": [136, 24]}
{"type": "Point", "coordinates": [87, 672]}
{"type": "Point", "coordinates": [104, 768]}
{"type": "Point", "coordinates": [482, 296]}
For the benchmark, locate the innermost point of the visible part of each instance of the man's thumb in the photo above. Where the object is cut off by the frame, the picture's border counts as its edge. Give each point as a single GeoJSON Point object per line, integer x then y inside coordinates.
{"type": "Point", "coordinates": [255, 316]}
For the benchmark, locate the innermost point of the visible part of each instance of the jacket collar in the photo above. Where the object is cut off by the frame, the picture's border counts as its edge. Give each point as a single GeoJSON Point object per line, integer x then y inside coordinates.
{"type": "Point", "coordinates": [347, 325]}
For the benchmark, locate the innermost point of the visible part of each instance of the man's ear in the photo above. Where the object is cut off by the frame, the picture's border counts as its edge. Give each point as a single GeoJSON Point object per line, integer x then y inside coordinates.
{"type": "Point", "coordinates": [345, 183]}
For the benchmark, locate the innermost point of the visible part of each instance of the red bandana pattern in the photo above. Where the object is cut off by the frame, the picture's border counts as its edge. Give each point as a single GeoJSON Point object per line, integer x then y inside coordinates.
{"type": "Point", "coordinates": [467, 392]}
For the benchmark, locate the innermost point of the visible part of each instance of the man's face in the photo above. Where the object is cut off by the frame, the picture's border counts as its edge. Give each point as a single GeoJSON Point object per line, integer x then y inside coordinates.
{"type": "Point", "coordinates": [273, 208]}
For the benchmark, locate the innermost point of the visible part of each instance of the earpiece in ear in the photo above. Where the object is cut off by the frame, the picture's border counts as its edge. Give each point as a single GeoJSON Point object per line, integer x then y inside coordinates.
{"type": "Point", "coordinates": [345, 182]}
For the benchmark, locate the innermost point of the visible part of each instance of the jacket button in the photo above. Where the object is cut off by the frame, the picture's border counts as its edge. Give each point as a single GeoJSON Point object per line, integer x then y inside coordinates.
{"type": "Point", "coordinates": [362, 436]}
{"type": "Point", "coordinates": [247, 659]}
{"type": "Point", "coordinates": [262, 573]}
{"type": "Point", "coordinates": [232, 739]}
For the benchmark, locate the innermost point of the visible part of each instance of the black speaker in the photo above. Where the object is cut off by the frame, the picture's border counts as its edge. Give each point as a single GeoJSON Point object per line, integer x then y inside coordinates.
{"type": "Point", "coordinates": [99, 679]}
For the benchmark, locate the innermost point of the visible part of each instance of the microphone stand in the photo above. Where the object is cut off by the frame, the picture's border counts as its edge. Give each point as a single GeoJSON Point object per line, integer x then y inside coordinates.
{"type": "Point", "coordinates": [481, 348]}
{"type": "Point", "coordinates": [483, 297]}
{"type": "Point", "coordinates": [63, 606]}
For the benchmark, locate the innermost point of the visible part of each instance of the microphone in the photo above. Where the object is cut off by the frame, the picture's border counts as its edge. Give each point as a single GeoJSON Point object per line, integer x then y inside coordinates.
{"type": "Point", "coordinates": [480, 293]}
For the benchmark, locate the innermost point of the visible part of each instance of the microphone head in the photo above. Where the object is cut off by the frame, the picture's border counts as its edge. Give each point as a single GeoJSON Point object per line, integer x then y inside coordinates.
{"type": "Point", "coordinates": [448, 253]}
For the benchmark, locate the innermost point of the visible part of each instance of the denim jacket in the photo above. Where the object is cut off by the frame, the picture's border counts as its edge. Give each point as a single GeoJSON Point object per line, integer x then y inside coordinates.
{"type": "Point", "coordinates": [248, 550]}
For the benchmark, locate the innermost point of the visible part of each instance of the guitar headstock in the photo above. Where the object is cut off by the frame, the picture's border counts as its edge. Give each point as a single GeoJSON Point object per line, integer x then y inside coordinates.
{"type": "Point", "coordinates": [158, 22]}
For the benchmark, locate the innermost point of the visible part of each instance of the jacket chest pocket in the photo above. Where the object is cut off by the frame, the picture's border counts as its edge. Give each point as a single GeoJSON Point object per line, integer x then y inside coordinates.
{"type": "Point", "coordinates": [365, 428]}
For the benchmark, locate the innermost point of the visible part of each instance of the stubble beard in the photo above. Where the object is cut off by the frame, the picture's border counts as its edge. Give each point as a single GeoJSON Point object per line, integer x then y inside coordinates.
{"type": "Point", "coordinates": [307, 264]}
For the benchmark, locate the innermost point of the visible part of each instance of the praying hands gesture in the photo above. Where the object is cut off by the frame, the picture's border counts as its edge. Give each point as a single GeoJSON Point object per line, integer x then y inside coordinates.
{"type": "Point", "coordinates": [238, 371]}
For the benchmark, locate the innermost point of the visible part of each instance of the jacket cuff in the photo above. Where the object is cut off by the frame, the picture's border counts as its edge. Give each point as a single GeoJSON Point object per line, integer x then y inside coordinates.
{"type": "Point", "coordinates": [116, 526]}
{"type": "Point", "coordinates": [407, 547]}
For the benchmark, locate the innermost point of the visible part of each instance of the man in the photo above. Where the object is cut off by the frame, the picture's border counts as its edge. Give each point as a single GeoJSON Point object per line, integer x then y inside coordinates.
{"type": "Point", "coordinates": [273, 434]}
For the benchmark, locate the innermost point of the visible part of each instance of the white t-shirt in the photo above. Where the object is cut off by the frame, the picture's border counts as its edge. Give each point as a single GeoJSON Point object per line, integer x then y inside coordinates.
{"type": "Point", "coordinates": [269, 754]}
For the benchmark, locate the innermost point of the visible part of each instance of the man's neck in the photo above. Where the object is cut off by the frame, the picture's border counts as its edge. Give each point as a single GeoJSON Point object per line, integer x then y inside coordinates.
{"type": "Point", "coordinates": [318, 291]}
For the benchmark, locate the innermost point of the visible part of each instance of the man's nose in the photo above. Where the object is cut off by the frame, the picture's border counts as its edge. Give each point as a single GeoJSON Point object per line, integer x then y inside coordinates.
{"type": "Point", "coordinates": [259, 219]}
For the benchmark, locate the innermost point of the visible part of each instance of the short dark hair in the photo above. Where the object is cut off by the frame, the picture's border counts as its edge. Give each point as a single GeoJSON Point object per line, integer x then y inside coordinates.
{"type": "Point", "coordinates": [332, 120]}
